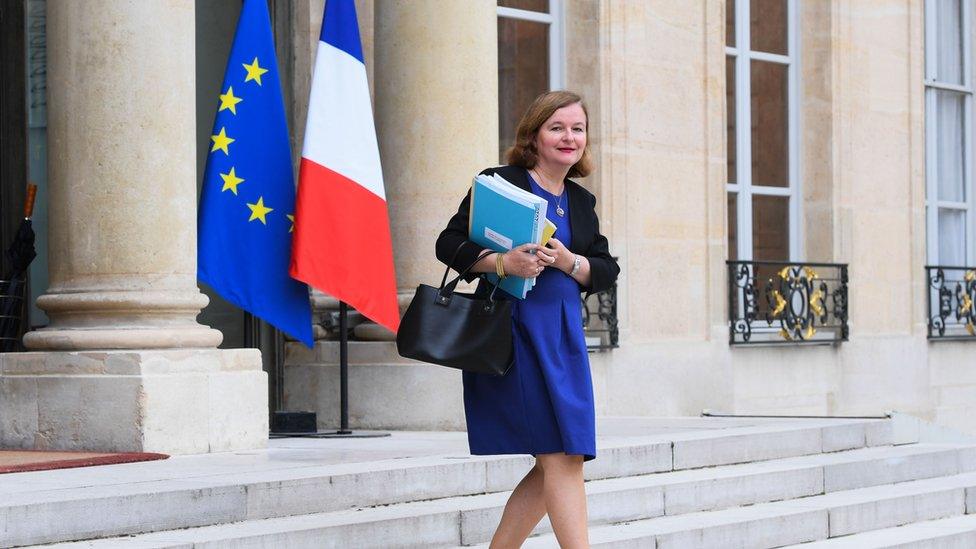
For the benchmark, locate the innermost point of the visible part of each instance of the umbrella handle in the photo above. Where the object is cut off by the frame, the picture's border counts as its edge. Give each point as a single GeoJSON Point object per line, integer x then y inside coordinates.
{"type": "Point", "coordinates": [29, 202]}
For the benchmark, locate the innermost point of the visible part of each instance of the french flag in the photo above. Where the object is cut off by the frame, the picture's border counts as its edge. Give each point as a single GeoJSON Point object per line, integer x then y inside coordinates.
{"type": "Point", "coordinates": [342, 243]}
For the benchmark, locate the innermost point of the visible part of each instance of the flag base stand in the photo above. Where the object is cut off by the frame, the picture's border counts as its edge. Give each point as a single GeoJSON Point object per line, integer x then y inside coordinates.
{"type": "Point", "coordinates": [305, 426]}
{"type": "Point", "coordinates": [344, 431]}
{"type": "Point", "coordinates": [332, 434]}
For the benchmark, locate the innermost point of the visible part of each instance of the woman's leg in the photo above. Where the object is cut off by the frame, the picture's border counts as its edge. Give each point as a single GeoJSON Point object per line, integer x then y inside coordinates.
{"type": "Point", "coordinates": [565, 498]}
{"type": "Point", "coordinates": [525, 508]}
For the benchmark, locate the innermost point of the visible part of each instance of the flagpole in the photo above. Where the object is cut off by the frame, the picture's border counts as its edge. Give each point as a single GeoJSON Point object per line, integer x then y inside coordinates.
{"type": "Point", "coordinates": [344, 431]}
{"type": "Point", "coordinates": [288, 420]}
{"type": "Point", "coordinates": [343, 370]}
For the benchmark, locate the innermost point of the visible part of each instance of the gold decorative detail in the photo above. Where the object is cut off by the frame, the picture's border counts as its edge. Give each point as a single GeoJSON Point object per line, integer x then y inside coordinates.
{"type": "Point", "coordinates": [784, 272]}
{"type": "Point", "coordinates": [815, 301]}
{"type": "Point", "coordinates": [971, 328]}
{"type": "Point", "coordinates": [809, 333]}
{"type": "Point", "coordinates": [967, 304]}
{"type": "Point", "coordinates": [780, 303]}
{"type": "Point", "coordinates": [811, 274]}
{"type": "Point", "coordinates": [971, 275]}
{"type": "Point", "coordinates": [784, 334]}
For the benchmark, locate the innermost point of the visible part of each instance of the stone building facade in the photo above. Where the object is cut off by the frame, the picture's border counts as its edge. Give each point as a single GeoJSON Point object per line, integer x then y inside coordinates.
{"type": "Point", "coordinates": [834, 135]}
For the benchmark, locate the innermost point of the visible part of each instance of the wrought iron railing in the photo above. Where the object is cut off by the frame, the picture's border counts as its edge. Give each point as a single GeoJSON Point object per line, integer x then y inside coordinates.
{"type": "Point", "coordinates": [773, 302]}
{"type": "Point", "coordinates": [600, 320]}
{"type": "Point", "coordinates": [952, 293]}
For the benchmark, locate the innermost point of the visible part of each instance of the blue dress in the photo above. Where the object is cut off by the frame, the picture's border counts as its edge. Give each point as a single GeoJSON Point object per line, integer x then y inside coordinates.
{"type": "Point", "coordinates": [544, 404]}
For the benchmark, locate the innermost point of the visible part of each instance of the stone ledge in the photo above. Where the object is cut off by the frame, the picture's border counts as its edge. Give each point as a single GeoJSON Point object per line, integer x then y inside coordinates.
{"type": "Point", "coordinates": [173, 401]}
{"type": "Point", "coordinates": [176, 361]}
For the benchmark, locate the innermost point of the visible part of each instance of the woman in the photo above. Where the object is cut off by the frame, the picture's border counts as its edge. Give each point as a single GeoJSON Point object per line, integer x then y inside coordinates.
{"type": "Point", "coordinates": [544, 405]}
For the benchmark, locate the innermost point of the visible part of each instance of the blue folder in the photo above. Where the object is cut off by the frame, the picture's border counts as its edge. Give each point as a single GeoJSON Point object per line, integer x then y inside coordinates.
{"type": "Point", "coordinates": [502, 218]}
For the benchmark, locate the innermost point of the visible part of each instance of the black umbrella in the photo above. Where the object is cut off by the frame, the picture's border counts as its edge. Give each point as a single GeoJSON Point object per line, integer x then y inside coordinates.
{"type": "Point", "coordinates": [14, 282]}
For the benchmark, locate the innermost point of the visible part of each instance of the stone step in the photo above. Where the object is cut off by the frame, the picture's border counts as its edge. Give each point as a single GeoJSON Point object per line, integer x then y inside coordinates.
{"type": "Point", "coordinates": [797, 521]}
{"type": "Point", "coordinates": [472, 519]}
{"type": "Point", "coordinates": [735, 485]}
{"type": "Point", "coordinates": [743, 445]}
{"type": "Point", "coordinates": [46, 516]}
{"type": "Point", "coordinates": [948, 533]}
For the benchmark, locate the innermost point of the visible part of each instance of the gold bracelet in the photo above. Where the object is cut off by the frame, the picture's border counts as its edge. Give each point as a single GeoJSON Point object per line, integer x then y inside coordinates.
{"type": "Point", "coordinates": [499, 265]}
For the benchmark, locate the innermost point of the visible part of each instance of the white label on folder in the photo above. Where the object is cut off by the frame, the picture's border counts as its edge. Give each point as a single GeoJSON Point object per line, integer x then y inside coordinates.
{"type": "Point", "coordinates": [499, 239]}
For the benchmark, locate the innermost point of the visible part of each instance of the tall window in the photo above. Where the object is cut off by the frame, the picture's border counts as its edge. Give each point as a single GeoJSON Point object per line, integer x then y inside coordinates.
{"type": "Point", "coordinates": [949, 132]}
{"type": "Point", "coordinates": [530, 59]}
{"type": "Point", "coordinates": [761, 91]}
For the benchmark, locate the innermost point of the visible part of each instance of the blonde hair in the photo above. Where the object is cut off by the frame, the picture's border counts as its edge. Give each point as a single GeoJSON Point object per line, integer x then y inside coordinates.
{"type": "Point", "coordinates": [524, 153]}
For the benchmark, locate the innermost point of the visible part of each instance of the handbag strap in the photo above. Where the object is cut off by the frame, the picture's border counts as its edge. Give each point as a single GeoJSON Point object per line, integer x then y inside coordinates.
{"type": "Point", "coordinates": [450, 286]}
{"type": "Point", "coordinates": [453, 259]}
{"type": "Point", "coordinates": [464, 271]}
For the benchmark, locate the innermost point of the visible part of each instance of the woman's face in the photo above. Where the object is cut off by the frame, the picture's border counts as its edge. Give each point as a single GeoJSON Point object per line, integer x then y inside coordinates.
{"type": "Point", "coordinates": [561, 139]}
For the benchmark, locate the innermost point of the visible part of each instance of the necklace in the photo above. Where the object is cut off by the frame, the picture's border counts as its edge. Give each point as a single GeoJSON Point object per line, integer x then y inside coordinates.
{"type": "Point", "coordinates": [559, 205]}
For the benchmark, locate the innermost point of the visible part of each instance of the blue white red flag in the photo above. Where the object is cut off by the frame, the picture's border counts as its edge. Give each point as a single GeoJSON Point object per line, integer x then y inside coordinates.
{"type": "Point", "coordinates": [342, 242]}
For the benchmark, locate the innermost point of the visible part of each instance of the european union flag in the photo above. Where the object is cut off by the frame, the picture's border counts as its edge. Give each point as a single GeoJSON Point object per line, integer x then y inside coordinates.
{"type": "Point", "coordinates": [248, 201]}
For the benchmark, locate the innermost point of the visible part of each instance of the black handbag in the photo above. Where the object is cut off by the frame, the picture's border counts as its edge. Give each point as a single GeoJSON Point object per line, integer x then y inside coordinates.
{"type": "Point", "coordinates": [458, 330]}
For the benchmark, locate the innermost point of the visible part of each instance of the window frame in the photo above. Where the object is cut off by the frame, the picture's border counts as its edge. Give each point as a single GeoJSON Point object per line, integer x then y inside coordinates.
{"type": "Point", "coordinates": [742, 55]}
{"type": "Point", "coordinates": [932, 85]}
{"type": "Point", "coordinates": [557, 40]}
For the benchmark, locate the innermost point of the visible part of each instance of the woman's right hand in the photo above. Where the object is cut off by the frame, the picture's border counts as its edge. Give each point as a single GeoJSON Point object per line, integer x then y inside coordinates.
{"type": "Point", "coordinates": [527, 260]}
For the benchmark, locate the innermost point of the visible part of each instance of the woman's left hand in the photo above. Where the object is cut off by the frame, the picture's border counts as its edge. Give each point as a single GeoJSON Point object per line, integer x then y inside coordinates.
{"type": "Point", "coordinates": [564, 257]}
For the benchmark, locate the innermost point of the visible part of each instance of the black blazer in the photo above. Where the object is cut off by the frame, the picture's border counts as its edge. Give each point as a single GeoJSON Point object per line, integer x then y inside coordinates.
{"type": "Point", "coordinates": [585, 226]}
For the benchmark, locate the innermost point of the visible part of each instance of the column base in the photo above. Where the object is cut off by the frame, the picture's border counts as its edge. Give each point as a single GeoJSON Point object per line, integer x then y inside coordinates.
{"type": "Point", "coordinates": [76, 339]}
{"type": "Point", "coordinates": [187, 401]}
{"type": "Point", "coordinates": [86, 319]}
{"type": "Point", "coordinates": [371, 331]}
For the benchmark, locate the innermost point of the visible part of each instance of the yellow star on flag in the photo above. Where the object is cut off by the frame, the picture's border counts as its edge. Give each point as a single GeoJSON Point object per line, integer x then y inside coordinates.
{"type": "Point", "coordinates": [259, 211]}
{"type": "Point", "coordinates": [221, 141]}
{"type": "Point", "coordinates": [231, 181]}
{"type": "Point", "coordinates": [254, 71]}
{"type": "Point", "coordinates": [229, 101]}
{"type": "Point", "coordinates": [292, 219]}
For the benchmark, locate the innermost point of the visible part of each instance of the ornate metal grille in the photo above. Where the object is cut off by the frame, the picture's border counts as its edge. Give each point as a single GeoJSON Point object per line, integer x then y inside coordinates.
{"type": "Point", "coordinates": [787, 303]}
{"type": "Point", "coordinates": [600, 320]}
{"type": "Point", "coordinates": [952, 293]}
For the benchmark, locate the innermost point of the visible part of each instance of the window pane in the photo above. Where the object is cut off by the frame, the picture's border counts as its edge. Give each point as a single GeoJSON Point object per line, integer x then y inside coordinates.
{"type": "Point", "coordinates": [733, 227]}
{"type": "Point", "coordinates": [767, 26]}
{"type": "Point", "coordinates": [770, 242]}
{"type": "Point", "coordinates": [531, 5]}
{"type": "Point", "coordinates": [770, 228]}
{"type": "Point", "coordinates": [952, 237]}
{"type": "Point", "coordinates": [950, 145]}
{"type": "Point", "coordinates": [770, 124]}
{"type": "Point", "coordinates": [523, 72]}
{"type": "Point", "coordinates": [948, 41]}
{"type": "Point", "coordinates": [730, 117]}
{"type": "Point", "coordinates": [730, 23]}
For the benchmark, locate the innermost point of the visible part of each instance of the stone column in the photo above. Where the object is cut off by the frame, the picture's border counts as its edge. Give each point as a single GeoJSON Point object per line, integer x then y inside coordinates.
{"type": "Point", "coordinates": [436, 92]}
{"type": "Point", "coordinates": [121, 111]}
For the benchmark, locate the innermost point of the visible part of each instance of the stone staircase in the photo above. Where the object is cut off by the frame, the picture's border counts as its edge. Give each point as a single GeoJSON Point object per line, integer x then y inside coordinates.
{"type": "Point", "coordinates": [843, 483]}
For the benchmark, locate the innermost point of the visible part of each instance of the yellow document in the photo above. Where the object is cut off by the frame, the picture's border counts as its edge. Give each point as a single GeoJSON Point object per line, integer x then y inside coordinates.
{"type": "Point", "coordinates": [548, 231]}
